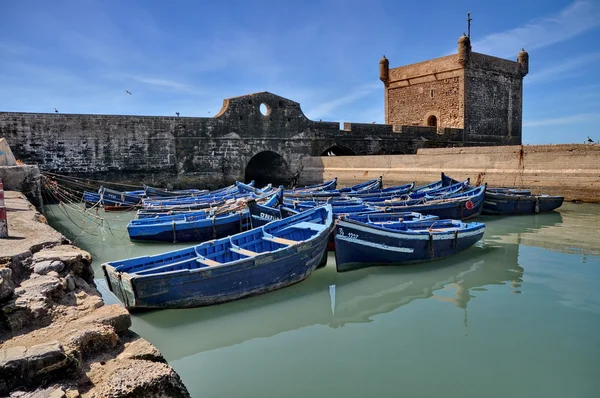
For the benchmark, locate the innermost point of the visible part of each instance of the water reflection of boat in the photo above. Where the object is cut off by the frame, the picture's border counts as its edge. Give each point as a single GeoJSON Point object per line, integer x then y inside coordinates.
{"type": "Point", "coordinates": [557, 231]}
{"type": "Point", "coordinates": [328, 298]}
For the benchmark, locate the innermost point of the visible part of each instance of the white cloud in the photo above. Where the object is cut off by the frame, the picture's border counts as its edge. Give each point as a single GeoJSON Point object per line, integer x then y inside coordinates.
{"type": "Point", "coordinates": [165, 83]}
{"type": "Point", "coordinates": [559, 71]}
{"type": "Point", "coordinates": [326, 109]}
{"type": "Point", "coordinates": [581, 117]}
{"type": "Point", "coordinates": [568, 23]}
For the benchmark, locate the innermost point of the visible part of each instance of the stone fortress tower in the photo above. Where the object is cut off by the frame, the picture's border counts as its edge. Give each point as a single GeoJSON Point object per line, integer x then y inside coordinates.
{"type": "Point", "coordinates": [476, 92]}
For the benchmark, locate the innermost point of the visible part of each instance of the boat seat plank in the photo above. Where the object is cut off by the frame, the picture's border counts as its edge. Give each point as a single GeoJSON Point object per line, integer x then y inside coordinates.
{"type": "Point", "coordinates": [283, 241]}
{"type": "Point", "coordinates": [245, 252]}
{"type": "Point", "coordinates": [208, 261]}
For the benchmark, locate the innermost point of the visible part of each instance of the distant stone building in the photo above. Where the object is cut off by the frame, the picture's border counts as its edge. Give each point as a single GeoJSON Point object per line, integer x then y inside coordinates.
{"type": "Point", "coordinates": [476, 92]}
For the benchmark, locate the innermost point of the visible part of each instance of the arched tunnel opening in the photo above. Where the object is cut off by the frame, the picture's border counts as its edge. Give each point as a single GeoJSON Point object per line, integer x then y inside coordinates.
{"type": "Point", "coordinates": [268, 167]}
{"type": "Point", "coordinates": [338, 150]}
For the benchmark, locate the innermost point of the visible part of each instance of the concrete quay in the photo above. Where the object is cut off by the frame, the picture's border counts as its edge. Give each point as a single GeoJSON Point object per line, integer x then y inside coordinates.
{"type": "Point", "coordinates": [57, 337]}
{"type": "Point", "coordinates": [572, 170]}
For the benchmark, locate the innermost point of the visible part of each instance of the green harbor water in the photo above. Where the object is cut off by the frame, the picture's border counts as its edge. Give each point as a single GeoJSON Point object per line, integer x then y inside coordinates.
{"type": "Point", "coordinates": [517, 315]}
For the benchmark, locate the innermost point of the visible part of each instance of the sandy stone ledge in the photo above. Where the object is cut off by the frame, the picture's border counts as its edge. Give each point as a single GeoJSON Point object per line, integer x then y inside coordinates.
{"type": "Point", "coordinates": [57, 338]}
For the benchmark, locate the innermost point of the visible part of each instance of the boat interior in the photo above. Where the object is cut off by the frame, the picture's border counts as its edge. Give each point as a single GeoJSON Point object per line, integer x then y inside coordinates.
{"type": "Point", "coordinates": [267, 239]}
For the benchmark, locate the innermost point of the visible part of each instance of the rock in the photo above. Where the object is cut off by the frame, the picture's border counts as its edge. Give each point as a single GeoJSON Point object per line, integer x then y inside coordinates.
{"type": "Point", "coordinates": [70, 282]}
{"type": "Point", "coordinates": [141, 349]}
{"type": "Point", "coordinates": [32, 301]}
{"type": "Point", "coordinates": [135, 378]}
{"type": "Point", "coordinates": [43, 267]}
{"type": "Point", "coordinates": [50, 392]}
{"type": "Point", "coordinates": [112, 315]}
{"type": "Point", "coordinates": [6, 284]}
{"type": "Point", "coordinates": [90, 339]}
{"type": "Point", "coordinates": [58, 393]}
{"type": "Point", "coordinates": [23, 366]}
{"type": "Point", "coordinates": [74, 258]}
{"type": "Point", "coordinates": [72, 394]}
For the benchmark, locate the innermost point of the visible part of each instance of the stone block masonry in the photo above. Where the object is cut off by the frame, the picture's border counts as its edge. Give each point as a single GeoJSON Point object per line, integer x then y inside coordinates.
{"type": "Point", "coordinates": [206, 152]}
{"type": "Point", "coordinates": [478, 93]}
{"type": "Point", "coordinates": [572, 171]}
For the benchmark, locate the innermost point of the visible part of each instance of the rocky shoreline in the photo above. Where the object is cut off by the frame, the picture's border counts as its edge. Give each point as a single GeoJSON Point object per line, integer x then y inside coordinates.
{"type": "Point", "coordinates": [57, 337]}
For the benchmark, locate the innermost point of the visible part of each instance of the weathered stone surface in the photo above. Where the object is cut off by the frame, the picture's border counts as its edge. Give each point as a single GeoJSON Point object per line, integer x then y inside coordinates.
{"type": "Point", "coordinates": [541, 168]}
{"type": "Point", "coordinates": [56, 329]}
{"type": "Point", "coordinates": [69, 282]}
{"type": "Point", "coordinates": [90, 339]}
{"type": "Point", "coordinates": [50, 392]}
{"type": "Point", "coordinates": [32, 300]}
{"type": "Point", "coordinates": [26, 232]}
{"type": "Point", "coordinates": [25, 179]}
{"type": "Point", "coordinates": [240, 142]}
{"type": "Point", "coordinates": [113, 315]}
{"type": "Point", "coordinates": [74, 258]}
{"type": "Point", "coordinates": [139, 348]}
{"type": "Point", "coordinates": [477, 92]}
{"type": "Point", "coordinates": [20, 365]}
{"type": "Point", "coordinates": [6, 284]}
{"type": "Point", "coordinates": [58, 393]}
{"type": "Point", "coordinates": [43, 267]}
{"type": "Point", "coordinates": [141, 379]}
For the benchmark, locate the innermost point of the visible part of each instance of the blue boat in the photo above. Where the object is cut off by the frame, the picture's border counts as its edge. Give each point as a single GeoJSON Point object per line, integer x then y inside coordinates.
{"type": "Point", "coordinates": [436, 193]}
{"type": "Point", "coordinates": [261, 214]}
{"type": "Point", "coordinates": [198, 226]}
{"type": "Point", "coordinates": [443, 182]}
{"type": "Point", "coordinates": [362, 243]}
{"type": "Point", "coordinates": [152, 191]}
{"type": "Point", "coordinates": [363, 187]}
{"type": "Point", "coordinates": [111, 197]}
{"type": "Point", "coordinates": [461, 205]}
{"type": "Point", "coordinates": [267, 258]}
{"type": "Point", "coordinates": [324, 186]}
{"type": "Point", "coordinates": [509, 201]}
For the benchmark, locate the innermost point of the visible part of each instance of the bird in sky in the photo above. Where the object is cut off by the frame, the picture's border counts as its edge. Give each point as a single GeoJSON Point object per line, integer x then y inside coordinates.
{"type": "Point", "coordinates": [128, 92]}
{"type": "Point", "coordinates": [177, 113]}
{"type": "Point", "coordinates": [589, 139]}
{"type": "Point", "coordinates": [56, 110]}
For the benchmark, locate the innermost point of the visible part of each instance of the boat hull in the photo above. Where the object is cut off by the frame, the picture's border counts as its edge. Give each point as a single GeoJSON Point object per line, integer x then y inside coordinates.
{"type": "Point", "coordinates": [192, 231]}
{"type": "Point", "coordinates": [359, 247]}
{"type": "Point", "coordinates": [214, 285]}
{"type": "Point", "coordinates": [509, 204]}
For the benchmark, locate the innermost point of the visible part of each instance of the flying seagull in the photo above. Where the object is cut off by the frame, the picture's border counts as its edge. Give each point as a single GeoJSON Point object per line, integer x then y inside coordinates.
{"type": "Point", "coordinates": [56, 110]}
{"type": "Point", "coordinates": [589, 139]}
{"type": "Point", "coordinates": [128, 92]}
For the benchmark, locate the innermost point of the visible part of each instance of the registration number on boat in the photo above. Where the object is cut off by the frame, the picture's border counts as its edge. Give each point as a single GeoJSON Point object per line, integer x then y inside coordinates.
{"type": "Point", "coordinates": [350, 235]}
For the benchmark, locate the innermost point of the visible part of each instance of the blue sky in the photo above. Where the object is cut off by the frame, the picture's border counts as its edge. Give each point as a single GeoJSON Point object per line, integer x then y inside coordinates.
{"type": "Point", "coordinates": [186, 56]}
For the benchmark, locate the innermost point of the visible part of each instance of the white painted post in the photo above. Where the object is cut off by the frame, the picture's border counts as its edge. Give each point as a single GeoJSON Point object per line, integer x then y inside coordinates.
{"type": "Point", "coordinates": [3, 221]}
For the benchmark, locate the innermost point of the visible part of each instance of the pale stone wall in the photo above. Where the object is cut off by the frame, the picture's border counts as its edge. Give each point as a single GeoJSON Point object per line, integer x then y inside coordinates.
{"type": "Point", "coordinates": [569, 170]}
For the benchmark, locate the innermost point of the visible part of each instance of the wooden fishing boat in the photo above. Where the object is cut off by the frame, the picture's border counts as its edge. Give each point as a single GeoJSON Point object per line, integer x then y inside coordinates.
{"type": "Point", "coordinates": [152, 192]}
{"type": "Point", "coordinates": [261, 214]}
{"type": "Point", "coordinates": [197, 226]}
{"type": "Point", "coordinates": [267, 258]}
{"type": "Point", "coordinates": [130, 198]}
{"type": "Point", "coordinates": [324, 186]}
{"type": "Point", "coordinates": [507, 202]}
{"type": "Point", "coordinates": [461, 205]}
{"type": "Point", "coordinates": [436, 193]}
{"type": "Point", "coordinates": [361, 242]}
{"type": "Point", "coordinates": [363, 187]}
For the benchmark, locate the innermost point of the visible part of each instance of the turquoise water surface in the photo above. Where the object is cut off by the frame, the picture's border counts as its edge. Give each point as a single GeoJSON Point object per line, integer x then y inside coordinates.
{"type": "Point", "coordinates": [517, 315]}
